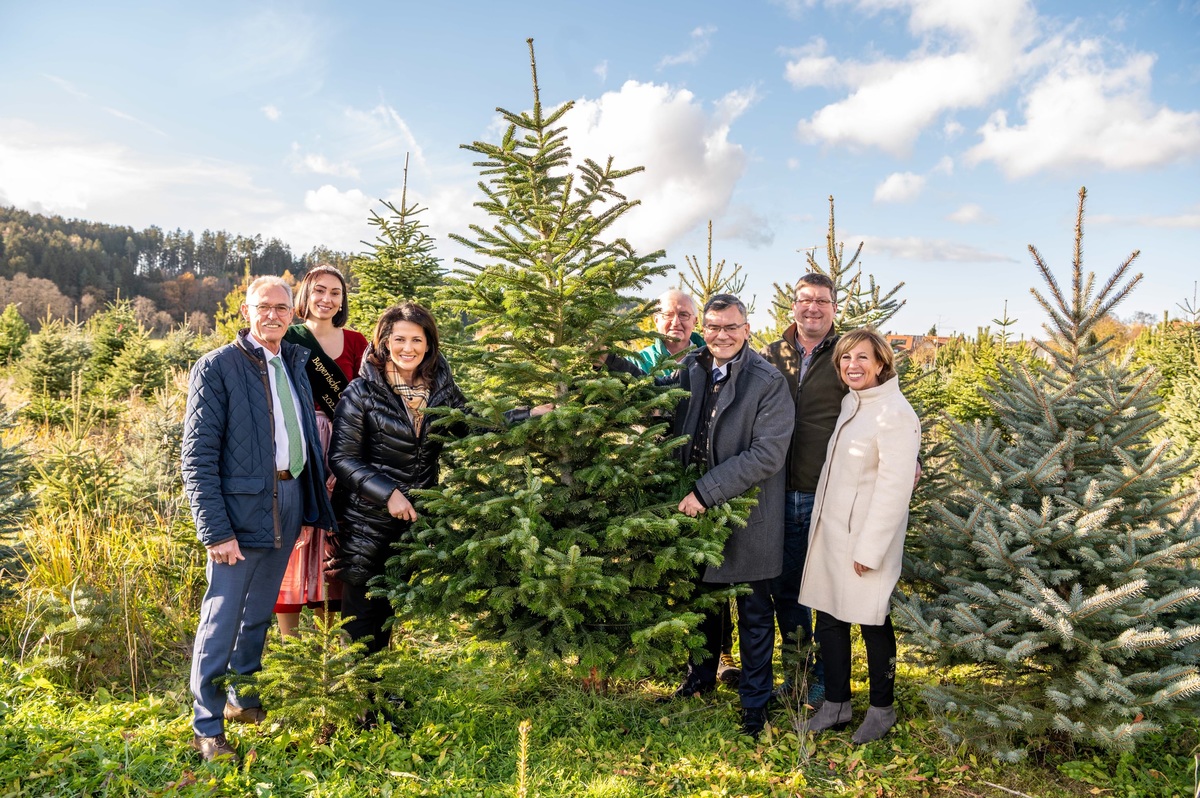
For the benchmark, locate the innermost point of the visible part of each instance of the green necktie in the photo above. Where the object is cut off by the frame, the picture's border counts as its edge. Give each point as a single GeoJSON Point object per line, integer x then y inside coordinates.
{"type": "Point", "coordinates": [290, 422]}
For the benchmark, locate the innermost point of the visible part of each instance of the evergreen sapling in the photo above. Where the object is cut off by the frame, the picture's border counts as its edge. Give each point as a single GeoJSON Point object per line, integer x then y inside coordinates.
{"type": "Point", "coordinates": [1062, 568]}
{"type": "Point", "coordinates": [559, 535]}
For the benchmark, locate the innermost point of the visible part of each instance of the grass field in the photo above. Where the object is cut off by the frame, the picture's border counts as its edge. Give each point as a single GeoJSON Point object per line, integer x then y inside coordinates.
{"type": "Point", "coordinates": [459, 734]}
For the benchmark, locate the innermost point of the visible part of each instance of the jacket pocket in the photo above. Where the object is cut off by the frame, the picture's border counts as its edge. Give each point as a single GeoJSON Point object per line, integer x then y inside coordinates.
{"type": "Point", "coordinates": [253, 485]}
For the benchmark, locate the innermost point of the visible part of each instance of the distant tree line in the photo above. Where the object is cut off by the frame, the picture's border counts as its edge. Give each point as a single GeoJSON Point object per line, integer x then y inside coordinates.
{"type": "Point", "coordinates": [52, 267]}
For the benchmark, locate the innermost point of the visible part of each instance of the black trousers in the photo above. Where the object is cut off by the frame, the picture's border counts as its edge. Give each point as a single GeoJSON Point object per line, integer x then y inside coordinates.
{"type": "Point", "coordinates": [756, 631]}
{"type": "Point", "coordinates": [834, 638]}
{"type": "Point", "coordinates": [366, 617]}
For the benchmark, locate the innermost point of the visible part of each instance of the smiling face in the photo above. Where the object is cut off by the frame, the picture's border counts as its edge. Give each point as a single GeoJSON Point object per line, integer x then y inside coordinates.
{"type": "Point", "coordinates": [725, 332]}
{"type": "Point", "coordinates": [676, 318]}
{"type": "Point", "coordinates": [407, 346]}
{"type": "Point", "coordinates": [268, 310]}
{"type": "Point", "coordinates": [325, 298]}
{"type": "Point", "coordinates": [813, 309]}
{"type": "Point", "coordinates": [859, 368]}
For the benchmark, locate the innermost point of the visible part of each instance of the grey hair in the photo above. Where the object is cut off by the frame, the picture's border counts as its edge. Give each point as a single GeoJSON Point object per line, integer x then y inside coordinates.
{"type": "Point", "coordinates": [675, 292]}
{"type": "Point", "coordinates": [260, 284]}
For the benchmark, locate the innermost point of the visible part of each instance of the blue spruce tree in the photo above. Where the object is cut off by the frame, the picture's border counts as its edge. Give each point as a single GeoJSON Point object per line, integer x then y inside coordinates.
{"type": "Point", "coordinates": [1062, 567]}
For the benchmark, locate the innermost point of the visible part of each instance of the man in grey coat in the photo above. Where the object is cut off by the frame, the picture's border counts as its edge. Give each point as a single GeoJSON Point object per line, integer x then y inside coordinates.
{"type": "Point", "coordinates": [738, 419]}
{"type": "Point", "coordinates": [253, 472]}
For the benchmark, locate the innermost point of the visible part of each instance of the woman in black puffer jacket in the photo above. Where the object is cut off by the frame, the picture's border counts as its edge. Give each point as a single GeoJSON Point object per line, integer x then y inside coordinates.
{"type": "Point", "coordinates": [381, 450]}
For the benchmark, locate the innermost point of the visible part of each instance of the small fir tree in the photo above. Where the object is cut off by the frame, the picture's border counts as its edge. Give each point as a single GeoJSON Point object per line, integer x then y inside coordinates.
{"type": "Point", "coordinates": [859, 304]}
{"type": "Point", "coordinates": [1063, 568]}
{"type": "Point", "coordinates": [137, 368]}
{"type": "Point", "coordinates": [401, 265]}
{"type": "Point", "coordinates": [109, 331]}
{"type": "Point", "coordinates": [228, 320]}
{"type": "Point", "coordinates": [560, 535]}
{"type": "Point", "coordinates": [706, 281]}
{"type": "Point", "coordinates": [15, 503]}
{"type": "Point", "coordinates": [14, 332]}
{"type": "Point", "coordinates": [52, 359]}
{"type": "Point", "coordinates": [321, 680]}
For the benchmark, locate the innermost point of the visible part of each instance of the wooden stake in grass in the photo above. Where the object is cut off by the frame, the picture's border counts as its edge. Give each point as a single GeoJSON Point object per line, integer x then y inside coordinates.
{"type": "Point", "coordinates": [523, 758]}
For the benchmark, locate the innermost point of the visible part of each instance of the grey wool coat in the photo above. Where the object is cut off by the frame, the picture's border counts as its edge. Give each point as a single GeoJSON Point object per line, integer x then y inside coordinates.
{"type": "Point", "coordinates": [748, 447]}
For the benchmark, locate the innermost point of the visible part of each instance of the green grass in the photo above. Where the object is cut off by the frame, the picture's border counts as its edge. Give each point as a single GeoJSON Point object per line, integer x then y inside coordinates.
{"type": "Point", "coordinates": [463, 702]}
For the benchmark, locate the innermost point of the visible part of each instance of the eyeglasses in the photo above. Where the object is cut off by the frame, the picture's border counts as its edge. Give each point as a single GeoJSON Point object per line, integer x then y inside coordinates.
{"type": "Point", "coordinates": [821, 303]}
{"type": "Point", "coordinates": [670, 314]}
{"type": "Point", "coordinates": [717, 329]}
{"type": "Point", "coordinates": [278, 310]}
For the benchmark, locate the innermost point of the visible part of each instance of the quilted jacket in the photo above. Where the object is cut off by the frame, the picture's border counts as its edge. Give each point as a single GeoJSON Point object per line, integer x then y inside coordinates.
{"type": "Point", "coordinates": [228, 455]}
{"type": "Point", "coordinates": [375, 450]}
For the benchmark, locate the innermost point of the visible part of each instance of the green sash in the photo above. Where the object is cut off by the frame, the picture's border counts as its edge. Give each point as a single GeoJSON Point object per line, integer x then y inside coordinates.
{"type": "Point", "coordinates": [326, 378]}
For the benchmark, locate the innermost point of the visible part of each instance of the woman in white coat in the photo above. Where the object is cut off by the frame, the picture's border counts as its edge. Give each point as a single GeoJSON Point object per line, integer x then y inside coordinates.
{"type": "Point", "coordinates": [856, 541]}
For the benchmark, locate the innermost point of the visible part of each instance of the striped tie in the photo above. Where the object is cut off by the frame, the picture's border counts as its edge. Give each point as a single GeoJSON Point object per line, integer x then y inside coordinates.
{"type": "Point", "coordinates": [290, 422]}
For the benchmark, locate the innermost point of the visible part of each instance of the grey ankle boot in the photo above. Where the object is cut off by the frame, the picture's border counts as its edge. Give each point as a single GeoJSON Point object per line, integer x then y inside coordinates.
{"type": "Point", "coordinates": [832, 715]}
{"type": "Point", "coordinates": [875, 724]}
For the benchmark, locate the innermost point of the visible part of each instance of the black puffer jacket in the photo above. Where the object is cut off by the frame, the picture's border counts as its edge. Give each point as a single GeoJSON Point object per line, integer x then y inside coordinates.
{"type": "Point", "coordinates": [375, 450]}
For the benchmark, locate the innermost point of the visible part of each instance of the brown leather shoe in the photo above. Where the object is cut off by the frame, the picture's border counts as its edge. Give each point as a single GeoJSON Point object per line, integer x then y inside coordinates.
{"type": "Point", "coordinates": [213, 748]}
{"type": "Point", "coordinates": [253, 715]}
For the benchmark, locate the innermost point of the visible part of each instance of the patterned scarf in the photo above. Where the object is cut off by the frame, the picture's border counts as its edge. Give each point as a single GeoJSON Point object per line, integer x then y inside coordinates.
{"type": "Point", "coordinates": [415, 398]}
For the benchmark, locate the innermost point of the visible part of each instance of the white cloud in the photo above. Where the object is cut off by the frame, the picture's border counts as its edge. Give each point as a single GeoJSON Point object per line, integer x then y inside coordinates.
{"type": "Point", "coordinates": [691, 165]}
{"type": "Point", "coordinates": [66, 85]}
{"type": "Point", "coordinates": [745, 224]}
{"type": "Point", "coordinates": [1085, 113]}
{"type": "Point", "coordinates": [900, 187]}
{"type": "Point", "coordinates": [945, 166]}
{"type": "Point", "coordinates": [1085, 103]}
{"type": "Point", "coordinates": [130, 118]}
{"type": "Point", "coordinates": [259, 48]}
{"type": "Point", "coordinates": [968, 54]}
{"type": "Point", "coordinates": [68, 174]}
{"type": "Point", "coordinates": [1182, 221]}
{"type": "Point", "coordinates": [271, 112]}
{"type": "Point", "coordinates": [331, 217]}
{"type": "Point", "coordinates": [967, 214]}
{"type": "Point", "coordinates": [928, 250]}
{"type": "Point", "coordinates": [794, 8]}
{"type": "Point", "coordinates": [701, 42]}
{"type": "Point", "coordinates": [601, 71]}
{"type": "Point", "coordinates": [380, 133]}
{"type": "Point", "coordinates": [316, 163]}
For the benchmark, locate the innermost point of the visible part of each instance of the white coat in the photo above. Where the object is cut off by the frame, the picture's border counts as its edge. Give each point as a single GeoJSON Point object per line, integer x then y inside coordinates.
{"type": "Point", "coordinates": [860, 513]}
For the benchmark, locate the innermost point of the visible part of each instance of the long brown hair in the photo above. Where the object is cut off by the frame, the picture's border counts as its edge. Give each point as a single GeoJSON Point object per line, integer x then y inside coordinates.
{"type": "Point", "coordinates": [305, 291]}
{"type": "Point", "coordinates": [418, 315]}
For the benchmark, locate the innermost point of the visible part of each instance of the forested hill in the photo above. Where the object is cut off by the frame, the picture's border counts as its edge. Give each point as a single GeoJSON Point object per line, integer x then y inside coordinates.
{"type": "Point", "coordinates": [88, 263]}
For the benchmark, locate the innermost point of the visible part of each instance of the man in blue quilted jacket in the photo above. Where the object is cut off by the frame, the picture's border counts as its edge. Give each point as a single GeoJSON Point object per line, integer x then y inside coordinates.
{"type": "Point", "coordinates": [253, 473]}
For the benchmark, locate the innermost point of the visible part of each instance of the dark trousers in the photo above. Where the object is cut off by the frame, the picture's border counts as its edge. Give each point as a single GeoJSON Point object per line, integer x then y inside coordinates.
{"type": "Point", "coordinates": [756, 632]}
{"type": "Point", "coordinates": [366, 617]}
{"type": "Point", "coordinates": [793, 618]}
{"type": "Point", "coordinates": [834, 637]}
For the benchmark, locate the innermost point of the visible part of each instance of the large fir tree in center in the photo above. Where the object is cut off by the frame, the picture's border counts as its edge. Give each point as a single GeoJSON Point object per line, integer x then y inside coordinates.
{"type": "Point", "coordinates": [1062, 568]}
{"type": "Point", "coordinates": [559, 535]}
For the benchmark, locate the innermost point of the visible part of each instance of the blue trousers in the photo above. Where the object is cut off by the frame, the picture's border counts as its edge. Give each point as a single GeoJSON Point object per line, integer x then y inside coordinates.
{"type": "Point", "coordinates": [794, 619]}
{"type": "Point", "coordinates": [235, 615]}
{"type": "Point", "coordinates": [756, 638]}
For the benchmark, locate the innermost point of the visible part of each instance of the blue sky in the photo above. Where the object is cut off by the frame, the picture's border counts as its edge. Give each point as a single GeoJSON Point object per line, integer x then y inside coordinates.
{"type": "Point", "coordinates": [952, 134]}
